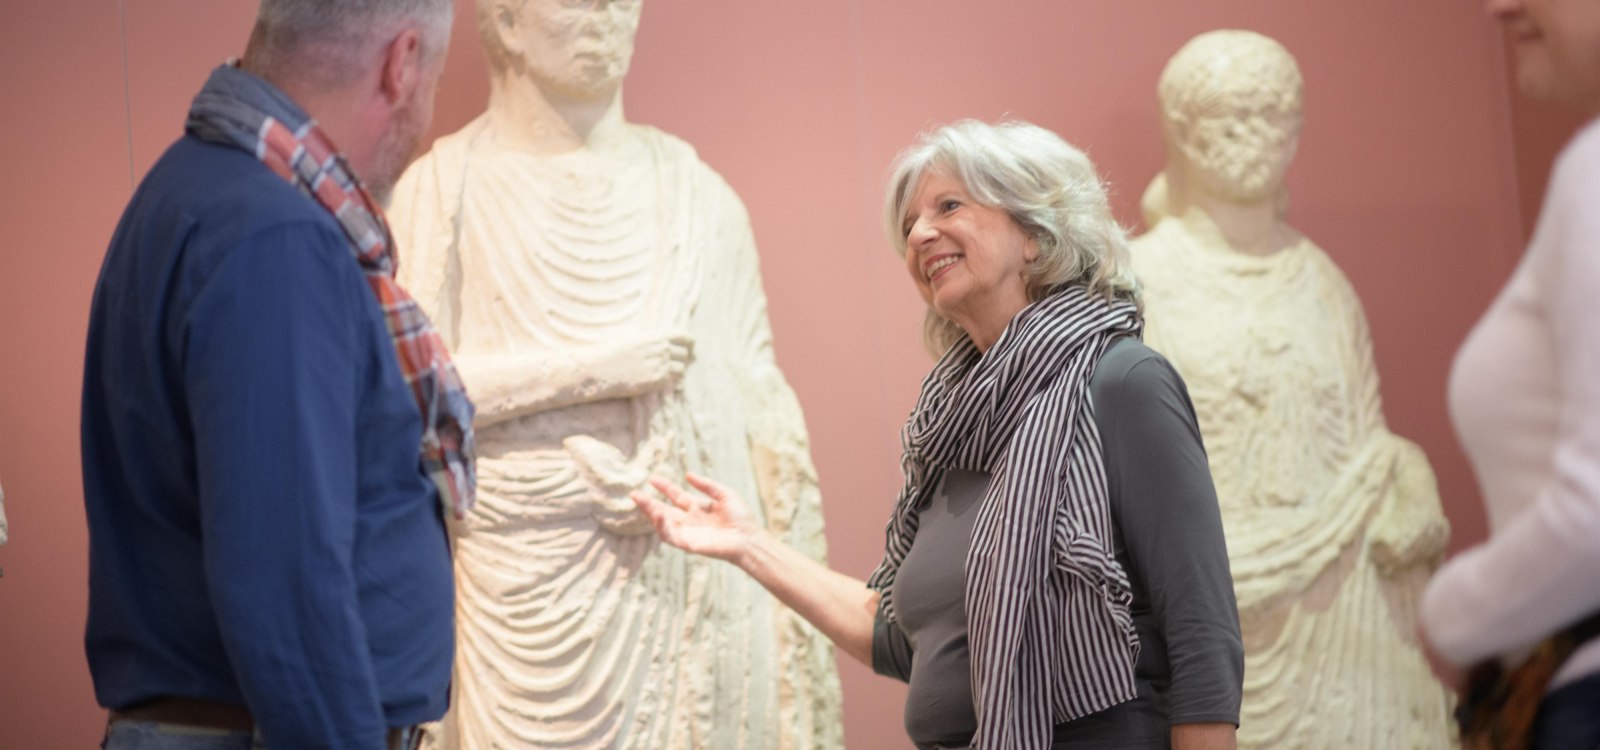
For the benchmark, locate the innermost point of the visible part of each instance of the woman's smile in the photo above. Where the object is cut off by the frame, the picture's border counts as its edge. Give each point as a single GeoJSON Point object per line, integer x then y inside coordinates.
{"type": "Point", "coordinates": [936, 266]}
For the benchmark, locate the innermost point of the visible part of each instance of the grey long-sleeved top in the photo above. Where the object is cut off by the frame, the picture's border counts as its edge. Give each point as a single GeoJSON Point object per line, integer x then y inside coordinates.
{"type": "Point", "coordinates": [1168, 536]}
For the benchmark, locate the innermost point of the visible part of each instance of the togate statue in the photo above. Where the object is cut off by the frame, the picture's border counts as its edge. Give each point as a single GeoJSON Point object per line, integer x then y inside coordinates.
{"type": "Point", "coordinates": [1333, 522]}
{"type": "Point", "coordinates": [599, 287]}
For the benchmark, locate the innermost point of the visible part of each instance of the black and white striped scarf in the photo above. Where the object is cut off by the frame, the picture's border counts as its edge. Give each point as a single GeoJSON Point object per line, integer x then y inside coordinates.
{"type": "Point", "coordinates": [1050, 631]}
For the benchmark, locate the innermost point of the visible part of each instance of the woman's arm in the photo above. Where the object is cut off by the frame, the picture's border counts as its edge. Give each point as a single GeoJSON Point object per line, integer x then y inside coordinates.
{"type": "Point", "coordinates": [718, 525]}
{"type": "Point", "coordinates": [1171, 528]}
{"type": "Point", "coordinates": [1541, 572]}
{"type": "Point", "coordinates": [1216, 735]}
{"type": "Point", "coordinates": [506, 386]}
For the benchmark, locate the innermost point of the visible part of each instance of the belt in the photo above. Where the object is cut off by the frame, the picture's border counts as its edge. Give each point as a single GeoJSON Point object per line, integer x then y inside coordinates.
{"type": "Point", "coordinates": [193, 712]}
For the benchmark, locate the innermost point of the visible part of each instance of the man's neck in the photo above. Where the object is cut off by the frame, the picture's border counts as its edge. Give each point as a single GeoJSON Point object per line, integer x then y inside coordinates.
{"type": "Point", "coordinates": [524, 117]}
{"type": "Point", "coordinates": [335, 112]}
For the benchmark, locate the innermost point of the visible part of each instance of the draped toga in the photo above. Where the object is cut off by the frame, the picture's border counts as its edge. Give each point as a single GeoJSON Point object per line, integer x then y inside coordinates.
{"type": "Point", "coordinates": [1333, 523]}
{"type": "Point", "coordinates": [576, 627]}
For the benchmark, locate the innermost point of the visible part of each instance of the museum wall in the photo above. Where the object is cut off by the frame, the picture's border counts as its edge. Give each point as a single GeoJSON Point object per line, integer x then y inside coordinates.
{"type": "Point", "coordinates": [1408, 175]}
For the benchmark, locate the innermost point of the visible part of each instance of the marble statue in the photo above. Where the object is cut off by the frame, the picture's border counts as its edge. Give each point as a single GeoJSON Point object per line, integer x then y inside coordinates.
{"type": "Point", "coordinates": [1333, 522]}
{"type": "Point", "coordinates": [599, 287]}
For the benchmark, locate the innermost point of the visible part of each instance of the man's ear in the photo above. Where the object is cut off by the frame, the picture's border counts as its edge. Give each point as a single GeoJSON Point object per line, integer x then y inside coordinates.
{"type": "Point", "coordinates": [402, 67]}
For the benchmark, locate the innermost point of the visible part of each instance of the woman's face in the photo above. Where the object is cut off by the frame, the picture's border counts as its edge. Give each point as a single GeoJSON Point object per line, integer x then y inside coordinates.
{"type": "Point", "coordinates": [1557, 45]}
{"type": "Point", "coordinates": [965, 258]}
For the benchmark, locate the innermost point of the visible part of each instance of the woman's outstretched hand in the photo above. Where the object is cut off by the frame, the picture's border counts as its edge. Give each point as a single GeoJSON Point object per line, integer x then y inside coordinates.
{"type": "Point", "coordinates": [715, 523]}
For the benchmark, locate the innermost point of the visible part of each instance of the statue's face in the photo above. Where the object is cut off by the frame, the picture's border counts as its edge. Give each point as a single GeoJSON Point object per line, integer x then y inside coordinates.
{"type": "Point", "coordinates": [1240, 148]}
{"type": "Point", "coordinates": [575, 48]}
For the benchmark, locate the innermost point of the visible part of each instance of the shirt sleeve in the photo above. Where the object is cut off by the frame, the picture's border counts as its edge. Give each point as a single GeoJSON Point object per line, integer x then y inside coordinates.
{"type": "Point", "coordinates": [272, 359]}
{"type": "Point", "coordinates": [1541, 572]}
{"type": "Point", "coordinates": [891, 650]}
{"type": "Point", "coordinates": [1172, 532]}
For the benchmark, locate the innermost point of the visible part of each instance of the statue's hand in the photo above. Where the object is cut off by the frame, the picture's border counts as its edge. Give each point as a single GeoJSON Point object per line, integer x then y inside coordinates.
{"type": "Point", "coordinates": [1410, 529]}
{"type": "Point", "coordinates": [611, 477]}
{"type": "Point", "coordinates": [715, 524]}
{"type": "Point", "coordinates": [645, 364]}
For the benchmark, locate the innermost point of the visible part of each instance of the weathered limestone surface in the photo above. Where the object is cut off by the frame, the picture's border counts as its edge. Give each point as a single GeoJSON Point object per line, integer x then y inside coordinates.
{"type": "Point", "coordinates": [600, 289]}
{"type": "Point", "coordinates": [1333, 522]}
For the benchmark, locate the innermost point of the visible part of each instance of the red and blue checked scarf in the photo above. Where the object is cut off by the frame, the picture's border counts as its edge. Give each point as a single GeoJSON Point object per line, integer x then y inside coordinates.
{"type": "Point", "coordinates": [236, 108]}
{"type": "Point", "coordinates": [1048, 607]}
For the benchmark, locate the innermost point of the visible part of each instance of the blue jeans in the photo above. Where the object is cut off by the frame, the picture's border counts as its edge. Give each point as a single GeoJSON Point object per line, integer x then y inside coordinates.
{"type": "Point", "coordinates": [1569, 718]}
{"type": "Point", "coordinates": [150, 735]}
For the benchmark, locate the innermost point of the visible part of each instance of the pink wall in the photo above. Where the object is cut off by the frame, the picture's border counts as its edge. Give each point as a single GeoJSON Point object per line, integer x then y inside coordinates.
{"type": "Point", "coordinates": [1408, 176]}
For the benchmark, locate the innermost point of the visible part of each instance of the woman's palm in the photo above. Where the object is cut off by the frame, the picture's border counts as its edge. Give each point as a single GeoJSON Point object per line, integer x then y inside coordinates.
{"type": "Point", "coordinates": [716, 524]}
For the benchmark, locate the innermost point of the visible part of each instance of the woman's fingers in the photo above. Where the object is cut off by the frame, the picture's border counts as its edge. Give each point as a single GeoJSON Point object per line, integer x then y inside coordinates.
{"type": "Point", "coordinates": [710, 487]}
{"type": "Point", "coordinates": [656, 512]}
{"type": "Point", "coordinates": [663, 517]}
{"type": "Point", "coordinates": [673, 492]}
{"type": "Point", "coordinates": [648, 506]}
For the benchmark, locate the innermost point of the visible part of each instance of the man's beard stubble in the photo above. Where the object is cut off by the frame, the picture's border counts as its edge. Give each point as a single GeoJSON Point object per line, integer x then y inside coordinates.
{"type": "Point", "coordinates": [398, 148]}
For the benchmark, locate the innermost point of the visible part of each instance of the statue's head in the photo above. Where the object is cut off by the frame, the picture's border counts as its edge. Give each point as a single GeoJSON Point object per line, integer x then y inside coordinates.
{"type": "Point", "coordinates": [1230, 105]}
{"type": "Point", "coordinates": [578, 49]}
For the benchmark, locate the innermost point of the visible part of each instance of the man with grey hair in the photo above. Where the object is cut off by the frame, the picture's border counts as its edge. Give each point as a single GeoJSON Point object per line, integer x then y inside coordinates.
{"type": "Point", "coordinates": [272, 430]}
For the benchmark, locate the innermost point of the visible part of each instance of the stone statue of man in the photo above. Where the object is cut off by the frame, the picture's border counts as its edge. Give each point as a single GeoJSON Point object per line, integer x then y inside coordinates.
{"type": "Point", "coordinates": [599, 287]}
{"type": "Point", "coordinates": [1333, 522]}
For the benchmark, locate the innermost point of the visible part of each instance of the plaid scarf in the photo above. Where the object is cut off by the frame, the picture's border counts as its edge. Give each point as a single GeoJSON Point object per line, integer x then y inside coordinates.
{"type": "Point", "coordinates": [1048, 618]}
{"type": "Point", "coordinates": [236, 108]}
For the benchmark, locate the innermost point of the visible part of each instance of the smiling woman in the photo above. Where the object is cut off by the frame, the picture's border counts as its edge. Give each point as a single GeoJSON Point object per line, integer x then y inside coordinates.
{"type": "Point", "coordinates": [966, 258]}
{"type": "Point", "coordinates": [1054, 574]}
{"type": "Point", "coordinates": [1023, 226]}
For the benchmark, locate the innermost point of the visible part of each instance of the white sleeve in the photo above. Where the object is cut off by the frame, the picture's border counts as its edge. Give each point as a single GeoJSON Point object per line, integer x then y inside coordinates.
{"type": "Point", "coordinates": [1541, 572]}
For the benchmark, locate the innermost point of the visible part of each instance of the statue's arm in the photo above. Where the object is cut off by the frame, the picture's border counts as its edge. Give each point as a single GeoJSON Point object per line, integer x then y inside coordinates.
{"type": "Point", "coordinates": [507, 386]}
{"type": "Point", "coordinates": [1410, 528]}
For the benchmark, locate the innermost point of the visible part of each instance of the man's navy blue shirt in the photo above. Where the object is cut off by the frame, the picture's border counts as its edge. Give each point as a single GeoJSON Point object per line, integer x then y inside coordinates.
{"type": "Point", "coordinates": [261, 531]}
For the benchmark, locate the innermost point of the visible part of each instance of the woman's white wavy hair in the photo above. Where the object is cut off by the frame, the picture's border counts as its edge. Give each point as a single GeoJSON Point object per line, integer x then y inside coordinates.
{"type": "Point", "coordinates": [1047, 186]}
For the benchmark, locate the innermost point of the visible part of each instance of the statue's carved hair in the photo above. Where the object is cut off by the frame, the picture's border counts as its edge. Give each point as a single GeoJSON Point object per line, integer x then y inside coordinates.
{"type": "Point", "coordinates": [1229, 67]}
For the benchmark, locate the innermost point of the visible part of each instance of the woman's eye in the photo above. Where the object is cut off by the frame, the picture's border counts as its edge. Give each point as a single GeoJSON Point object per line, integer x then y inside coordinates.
{"type": "Point", "coordinates": [949, 205]}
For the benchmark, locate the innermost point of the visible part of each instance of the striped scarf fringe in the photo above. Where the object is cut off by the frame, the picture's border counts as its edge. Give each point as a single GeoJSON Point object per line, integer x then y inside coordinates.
{"type": "Point", "coordinates": [1048, 606]}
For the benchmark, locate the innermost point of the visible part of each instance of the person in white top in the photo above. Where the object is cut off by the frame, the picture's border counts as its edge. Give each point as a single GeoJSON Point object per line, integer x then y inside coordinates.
{"type": "Point", "coordinates": [1525, 399]}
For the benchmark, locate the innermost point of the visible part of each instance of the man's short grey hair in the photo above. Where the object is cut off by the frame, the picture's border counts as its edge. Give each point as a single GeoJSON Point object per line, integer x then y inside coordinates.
{"type": "Point", "coordinates": [1048, 187]}
{"type": "Point", "coordinates": [333, 39]}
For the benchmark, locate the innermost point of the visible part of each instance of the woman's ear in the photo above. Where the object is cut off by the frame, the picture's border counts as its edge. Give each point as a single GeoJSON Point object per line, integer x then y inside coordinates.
{"type": "Point", "coordinates": [1030, 249]}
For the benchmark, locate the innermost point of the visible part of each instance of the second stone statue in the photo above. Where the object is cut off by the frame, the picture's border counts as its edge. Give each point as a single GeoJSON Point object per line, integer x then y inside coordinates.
{"type": "Point", "coordinates": [599, 286]}
{"type": "Point", "coordinates": [1333, 522]}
